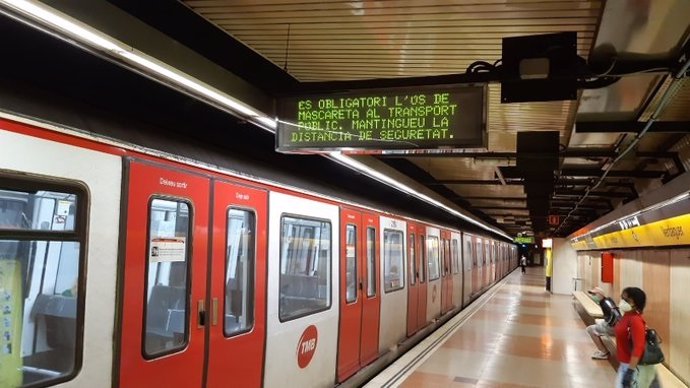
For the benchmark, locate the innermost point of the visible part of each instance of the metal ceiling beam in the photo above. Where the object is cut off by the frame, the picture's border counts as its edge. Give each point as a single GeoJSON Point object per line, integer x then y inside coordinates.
{"type": "Point", "coordinates": [677, 161]}
{"type": "Point", "coordinates": [597, 172]}
{"type": "Point", "coordinates": [512, 216]}
{"type": "Point", "coordinates": [580, 193]}
{"type": "Point", "coordinates": [577, 152]}
{"type": "Point", "coordinates": [570, 205]}
{"type": "Point", "coordinates": [579, 210]}
{"type": "Point", "coordinates": [496, 198]}
{"type": "Point", "coordinates": [573, 182]}
{"type": "Point", "coordinates": [585, 152]}
{"type": "Point", "coordinates": [452, 154]}
{"type": "Point", "coordinates": [631, 126]}
{"type": "Point", "coordinates": [469, 182]}
{"type": "Point", "coordinates": [501, 207]}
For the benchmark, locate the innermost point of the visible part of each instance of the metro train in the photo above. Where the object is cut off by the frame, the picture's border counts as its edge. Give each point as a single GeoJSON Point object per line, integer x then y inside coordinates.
{"type": "Point", "coordinates": [126, 267]}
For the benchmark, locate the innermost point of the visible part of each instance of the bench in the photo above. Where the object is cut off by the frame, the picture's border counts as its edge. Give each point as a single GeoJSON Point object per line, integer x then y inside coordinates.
{"type": "Point", "coordinates": [589, 311]}
{"type": "Point", "coordinates": [667, 378]}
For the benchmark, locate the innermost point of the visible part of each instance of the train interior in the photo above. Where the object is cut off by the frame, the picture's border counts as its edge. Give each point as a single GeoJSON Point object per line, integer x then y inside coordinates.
{"type": "Point", "coordinates": [39, 297]}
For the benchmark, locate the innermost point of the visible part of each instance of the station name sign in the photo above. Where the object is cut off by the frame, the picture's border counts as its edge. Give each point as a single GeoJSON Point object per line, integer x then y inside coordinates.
{"type": "Point", "coordinates": [426, 117]}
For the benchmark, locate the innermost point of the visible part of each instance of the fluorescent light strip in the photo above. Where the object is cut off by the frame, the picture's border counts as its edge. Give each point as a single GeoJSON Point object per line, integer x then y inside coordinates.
{"type": "Point", "coordinates": [86, 34]}
{"type": "Point", "coordinates": [49, 16]}
{"type": "Point", "coordinates": [406, 189]}
{"type": "Point", "coordinates": [190, 83]}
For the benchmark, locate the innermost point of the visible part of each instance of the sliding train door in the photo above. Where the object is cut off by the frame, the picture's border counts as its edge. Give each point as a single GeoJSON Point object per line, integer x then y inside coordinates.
{"type": "Point", "coordinates": [163, 316]}
{"type": "Point", "coordinates": [359, 292]}
{"type": "Point", "coordinates": [433, 264]}
{"type": "Point", "coordinates": [416, 296]}
{"type": "Point", "coordinates": [446, 274]}
{"type": "Point", "coordinates": [237, 331]}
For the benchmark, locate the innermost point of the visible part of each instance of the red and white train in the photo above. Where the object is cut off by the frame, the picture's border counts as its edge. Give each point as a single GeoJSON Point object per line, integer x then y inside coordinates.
{"type": "Point", "coordinates": [125, 267]}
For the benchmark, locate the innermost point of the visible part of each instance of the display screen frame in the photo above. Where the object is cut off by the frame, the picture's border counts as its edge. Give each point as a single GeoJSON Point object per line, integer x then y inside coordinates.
{"type": "Point", "coordinates": [469, 131]}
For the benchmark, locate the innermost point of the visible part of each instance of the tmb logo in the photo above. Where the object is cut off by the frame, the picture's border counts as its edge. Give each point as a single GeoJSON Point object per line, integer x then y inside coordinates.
{"type": "Point", "coordinates": [306, 347]}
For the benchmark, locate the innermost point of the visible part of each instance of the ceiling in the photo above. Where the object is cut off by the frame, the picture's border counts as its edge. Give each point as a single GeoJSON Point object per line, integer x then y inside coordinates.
{"type": "Point", "coordinates": [287, 46]}
{"type": "Point", "coordinates": [323, 41]}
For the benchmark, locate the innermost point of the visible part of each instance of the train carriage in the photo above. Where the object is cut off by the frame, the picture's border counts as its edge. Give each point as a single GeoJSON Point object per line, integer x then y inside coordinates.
{"type": "Point", "coordinates": [128, 268]}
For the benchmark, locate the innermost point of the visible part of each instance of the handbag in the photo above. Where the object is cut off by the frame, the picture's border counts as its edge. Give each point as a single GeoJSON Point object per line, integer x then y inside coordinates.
{"type": "Point", "coordinates": [652, 351]}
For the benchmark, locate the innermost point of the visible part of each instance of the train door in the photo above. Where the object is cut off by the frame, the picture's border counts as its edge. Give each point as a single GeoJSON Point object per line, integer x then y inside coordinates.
{"type": "Point", "coordinates": [433, 266]}
{"type": "Point", "coordinates": [413, 289]}
{"type": "Point", "coordinates": [359, 296]}
{"type": "Point", "coordinates": [468, 262]}
{"type": "Point", "coordinates": [371, 309]}
{"type": "Point", "coordinates": [499, 261]}
{"type": "Point", "coordinates": [477, 277]}
{"type": "Point", "coordinates": [423, 289]}
{"type": "Point", "coordinates": [163, 288]}
{"type": "Point", "coordinates": [238, 286]}
{"type": "Point", "coordinates": [504, 258]}
{"type": "Point", "coordinates": [446, 274]}
{"type": "Point", "coordinates": [456, 268]}
{"type": "Point", "coordinates": [494, 259]}
{"type": "Point", "coordinates": [486, 271]}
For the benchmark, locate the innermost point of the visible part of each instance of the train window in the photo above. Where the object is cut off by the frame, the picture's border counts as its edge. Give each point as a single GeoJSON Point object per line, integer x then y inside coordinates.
{"type": "Point", "coordinates": [45, 211]}
{"type": "Point", "coordinates": [42, 235]}
{"type": "Point", "coordinates": [433, 257]}
{"type": "Point", "coordinates": [456, 256]}
{"type": "Point", "coordinates": [351, 258]}
{"type": "Point", "coordinates": [393, 261]}
{"type": "Point", "coordinates": [239, 272]}
{"type": "Point", "coordinates": [422, 251]}
{"type": "Point", "coordinates": [371, 262]}
{"type": "Point", "coordinates": [305, 267]}
{"type": "Point", "coordinates": [167, 280]}
{"type": "Point", "coordinates": [412, 257]}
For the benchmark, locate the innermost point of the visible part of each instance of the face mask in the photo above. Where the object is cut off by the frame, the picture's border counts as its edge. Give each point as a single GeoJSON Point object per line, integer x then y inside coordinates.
{"type": "Point", "coordinates": [624, 306]}
{"type": "Point", "coordinates": [596, 298]}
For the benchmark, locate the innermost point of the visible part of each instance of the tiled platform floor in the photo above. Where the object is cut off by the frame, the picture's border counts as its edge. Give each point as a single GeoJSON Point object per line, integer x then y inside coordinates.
{"type": "Point", "coordinates": [522, 337]}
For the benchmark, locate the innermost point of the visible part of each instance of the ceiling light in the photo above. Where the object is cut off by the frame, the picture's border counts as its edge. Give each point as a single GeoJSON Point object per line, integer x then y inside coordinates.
{"type": "Point", "coordinates": [408, 190]}
{"type": "Point", "coordinates": [56, 19]}
{"type": "Point", "coordinates": [74, 29]}
{"type": "Point", "coordinates": [89, 35]}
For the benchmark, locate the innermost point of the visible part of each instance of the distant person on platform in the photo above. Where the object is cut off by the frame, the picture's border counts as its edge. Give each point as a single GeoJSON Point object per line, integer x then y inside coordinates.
{"type": "Point", "coordinates": [523, 263]}
{"type": "Point", "coordinates": [604, 326]}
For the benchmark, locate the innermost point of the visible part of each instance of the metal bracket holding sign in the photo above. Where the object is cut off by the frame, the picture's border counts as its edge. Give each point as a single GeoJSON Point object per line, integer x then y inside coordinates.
{"type": "Point", "coordinates": [369, 121]}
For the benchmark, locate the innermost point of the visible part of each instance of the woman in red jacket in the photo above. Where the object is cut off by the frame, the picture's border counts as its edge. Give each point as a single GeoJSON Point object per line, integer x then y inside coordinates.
{"type": "Point", "coordinates": [630, 341]}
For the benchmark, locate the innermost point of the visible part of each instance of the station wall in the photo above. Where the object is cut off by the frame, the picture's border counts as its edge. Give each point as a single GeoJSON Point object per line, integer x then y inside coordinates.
{"type": "Point", "coordinates": [664, 275]}
{"type": "Point", "coordinates": [564, 258]}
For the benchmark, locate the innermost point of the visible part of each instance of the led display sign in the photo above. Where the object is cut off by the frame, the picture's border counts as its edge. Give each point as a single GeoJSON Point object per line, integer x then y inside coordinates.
{"type": "Point", "coordinates": [524, 240]}
{"type": "Point", "coordinates": [426, 117]}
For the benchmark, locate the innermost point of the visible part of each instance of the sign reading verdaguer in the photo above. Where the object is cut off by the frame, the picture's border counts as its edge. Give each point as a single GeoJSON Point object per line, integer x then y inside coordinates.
{"type": "Point", "coordinates": [426, 117]}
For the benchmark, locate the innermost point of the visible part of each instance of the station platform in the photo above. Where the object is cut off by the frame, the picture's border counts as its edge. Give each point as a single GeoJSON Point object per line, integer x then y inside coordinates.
{"type": "Point", "coordinates": [516, 335]}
